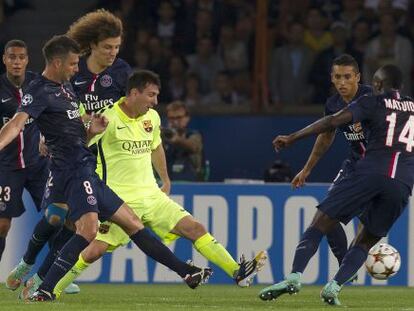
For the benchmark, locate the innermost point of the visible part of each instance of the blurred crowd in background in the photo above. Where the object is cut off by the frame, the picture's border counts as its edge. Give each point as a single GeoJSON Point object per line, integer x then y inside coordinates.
{"type": "Point", "coordinates": [204, 50]}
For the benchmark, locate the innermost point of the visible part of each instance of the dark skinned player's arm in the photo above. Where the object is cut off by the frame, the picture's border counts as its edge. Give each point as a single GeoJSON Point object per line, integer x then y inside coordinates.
{"type": "Point", "coordinates": [322, 144]}
{"type": "Point", "coordinates": [326, 124]}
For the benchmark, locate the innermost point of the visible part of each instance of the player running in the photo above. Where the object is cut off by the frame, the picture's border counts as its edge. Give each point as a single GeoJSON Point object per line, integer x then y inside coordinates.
{"type": "Point", "coordinates": [21, 165]}
{"type": "Point", "coordinates": [345, 77]}
{"type": "Point", "coordinates": [51, 101]}
{"type": "Point", "coordinates": [379, 188]}
{"type": "Point", "coordinates": [128, 149]}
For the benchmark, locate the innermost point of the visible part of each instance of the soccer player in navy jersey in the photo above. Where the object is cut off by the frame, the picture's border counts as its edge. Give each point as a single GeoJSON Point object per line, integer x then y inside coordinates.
{"type": "Point", "coordinates": [102, 77]}
{"type": "Point", "coordinates": [73, 183]}
{"type": "Point", "coordinates": [378, 190]}
{"type": "Point", "coordinates": [21, 165]}
{"type": "Point", "coordinates": [100, 81]}
{"type": "Point", "coordinates": [345, 77]}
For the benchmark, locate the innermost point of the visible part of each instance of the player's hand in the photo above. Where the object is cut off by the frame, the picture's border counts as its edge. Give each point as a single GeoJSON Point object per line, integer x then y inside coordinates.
{"type": "Point", "coordinates": [282, 141]}
{"type": "Point", "coordinates": [166, 187]}
{"type": "Point", "coordinates": [98, 123]}
{"type": "Point", "coordinates": [300, 179]}
{"type": "Point", "coordinates": [42, 147]}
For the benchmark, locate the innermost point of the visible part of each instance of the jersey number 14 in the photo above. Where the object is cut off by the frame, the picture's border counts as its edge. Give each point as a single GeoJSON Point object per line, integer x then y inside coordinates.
{"type": "Point", "coordinates": [407, 134]}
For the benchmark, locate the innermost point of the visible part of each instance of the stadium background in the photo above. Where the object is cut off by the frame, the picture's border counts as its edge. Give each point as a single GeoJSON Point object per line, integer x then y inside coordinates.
{"type": "Point", "coordinates": [239, 131]}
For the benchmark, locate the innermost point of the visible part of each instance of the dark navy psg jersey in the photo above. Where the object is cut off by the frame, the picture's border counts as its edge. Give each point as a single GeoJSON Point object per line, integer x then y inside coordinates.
{"type": "Point", "coordinates": [389, 119]}
{"type": "Point", "coordinates": [55, 108]}
{"type": "Point", "coordinates": [353, 132]}
{"type": "Point", "coordinates": [96, 91]}
{"type": "Point", "coordinates": [24, 150]}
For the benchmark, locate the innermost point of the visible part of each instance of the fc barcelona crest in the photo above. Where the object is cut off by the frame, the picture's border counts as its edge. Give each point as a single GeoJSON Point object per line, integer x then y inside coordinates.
{"type": "Point", "coordinates": [147, 125]}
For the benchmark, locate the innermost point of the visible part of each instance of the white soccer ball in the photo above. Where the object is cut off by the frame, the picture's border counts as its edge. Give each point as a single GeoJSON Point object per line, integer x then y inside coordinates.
{"type": "Point", "coordinates": [383, 261]}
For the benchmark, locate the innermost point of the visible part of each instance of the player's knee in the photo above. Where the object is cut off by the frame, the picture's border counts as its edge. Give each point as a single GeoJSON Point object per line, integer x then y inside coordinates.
{"type": "Point", "coordinates": [88, 232]}
{"type": "Point", "coordinates": [55, 215]}
{"type": "Point", "coordinates": [90, 255]}
{"type": "Point", "coordinates": [195, 230]}
{"type": "Point", "coordinates": [4, 227]}
{"type": "Point", "coordinates": [133, 224]}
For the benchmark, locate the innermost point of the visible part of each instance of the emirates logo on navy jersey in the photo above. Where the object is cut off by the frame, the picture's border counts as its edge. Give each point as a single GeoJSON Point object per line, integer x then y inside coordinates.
{"type": "Point", "coordinates": [27, 99]}
{"type": "Point", "coordinates": [106, 81]}
{"type": "Point", "coordinates": [147, 126]}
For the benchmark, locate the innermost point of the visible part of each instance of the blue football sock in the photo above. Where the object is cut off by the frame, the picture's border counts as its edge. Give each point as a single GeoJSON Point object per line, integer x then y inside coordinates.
{"type": "Point", "coordinates": [306, 248]}
{"type": "Point", "coordinates": [60, 240]}
{"type": "Point", "coordinates": [156, 250]}
{"type": "Point", "coordinates": [353, 260]}
{"type": "Point", "coordinates": [41, 234]}
{"type": "Point", "coordinates": [338, 242]}
{"type": "Point", "coordinates": [64, 262]}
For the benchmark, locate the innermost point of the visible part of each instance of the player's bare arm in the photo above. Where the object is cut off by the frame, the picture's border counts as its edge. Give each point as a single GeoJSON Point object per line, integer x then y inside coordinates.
{"type": "Point", "coordinates": [12, 128]}
{"type": "Point", "coordinates": [160, 165]}
{"type": "Point", "coordinates": [325, 124]}
{"type": "Point", "coordinates": [322, 144]}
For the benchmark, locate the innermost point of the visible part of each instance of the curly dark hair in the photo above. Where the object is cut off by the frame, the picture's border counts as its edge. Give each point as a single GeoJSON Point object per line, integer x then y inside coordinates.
{"type": "Point", "coordinates": [95, 27]}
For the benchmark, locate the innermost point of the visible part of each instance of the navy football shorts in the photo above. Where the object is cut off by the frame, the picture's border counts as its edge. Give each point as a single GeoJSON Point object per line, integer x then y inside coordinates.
{"type": "Point", "coordinates": [83, 191]}
{"type": "Point", "coordinates": [12, 183]}
{"type": "Point", "coordinates": [377, 199]}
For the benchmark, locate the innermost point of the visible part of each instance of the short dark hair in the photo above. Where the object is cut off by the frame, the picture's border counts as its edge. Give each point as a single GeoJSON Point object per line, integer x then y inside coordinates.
{"type": "Point", "coordinates": [59, 46]}
{"type": "Point", "coordinates": [140, 79]}
{"type": "Point", "coordinates": [346, 60]}
{"type": "Point", "coordinates": [392, 76]}
{"type": "Point", "coordinates": [177, 105]}
{"type": "Point", "coordinates": [15, 43]}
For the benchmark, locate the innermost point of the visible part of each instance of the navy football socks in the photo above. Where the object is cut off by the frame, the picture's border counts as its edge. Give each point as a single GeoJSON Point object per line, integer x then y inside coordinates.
{"type": "Point", "coordinates": [338, 242]}
{"type": "Point", "coordinates": [353, 260]}
{"type": "Point", "coordinates": [64, 262]}
{"type": "Point", "coordinates": [306, 248]}
{"type": "Point", "coordinates": [156, 250]}
{"type": "Point", "coordinates": [41, 234]}
{"type": "Point", "coordinates": [60, 240]}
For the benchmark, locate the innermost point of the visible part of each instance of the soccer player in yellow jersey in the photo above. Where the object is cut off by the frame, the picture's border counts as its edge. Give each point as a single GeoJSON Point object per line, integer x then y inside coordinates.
{"type": "Point", "coordinates": [127, 151]}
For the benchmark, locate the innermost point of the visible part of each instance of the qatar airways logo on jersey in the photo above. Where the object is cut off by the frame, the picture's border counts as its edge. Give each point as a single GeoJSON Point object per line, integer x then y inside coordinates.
{"type": "Point", "coordinates": [93, 103]}
{"type": "Point", "coordinates": [136, 147]}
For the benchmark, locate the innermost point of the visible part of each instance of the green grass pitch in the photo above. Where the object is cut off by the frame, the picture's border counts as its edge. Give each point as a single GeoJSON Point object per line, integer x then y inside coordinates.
{"type": "Point", "coordinates": [211, 297]}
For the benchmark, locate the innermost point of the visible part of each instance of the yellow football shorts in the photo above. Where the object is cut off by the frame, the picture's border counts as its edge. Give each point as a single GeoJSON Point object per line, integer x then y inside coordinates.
{"type": "Point", "coordinates": [158, 212]}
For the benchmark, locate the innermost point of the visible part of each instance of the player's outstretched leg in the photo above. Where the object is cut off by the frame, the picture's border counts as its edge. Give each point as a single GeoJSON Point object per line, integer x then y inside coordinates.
{"type": "Point", "coordinates": [242, 273]}
{"type": "Point", "coordinates": [329, 293]}
{"type": "Point", "coordinates": [289, 286]}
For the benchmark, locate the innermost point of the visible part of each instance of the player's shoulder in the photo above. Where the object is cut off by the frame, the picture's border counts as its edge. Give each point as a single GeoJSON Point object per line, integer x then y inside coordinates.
{"type": "Point", "coordinates": [3, 81]}
{"type": "Point", "coordinates": [364, 89]}
{"type": "Point", "coordinates": [333, 103]}
{"type": "Point", "coordinates": [39, 84]}
{"type": "Point", "coordinates": [108, 109]}
{"type": "Point", "coordinates": [31, 75]}
{"type": "Point", "coordinates": [153, 115]}
{"type": "Point", "coordinates": [120, 66]}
